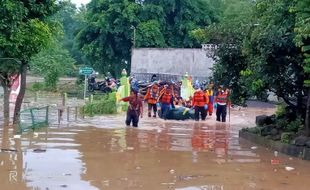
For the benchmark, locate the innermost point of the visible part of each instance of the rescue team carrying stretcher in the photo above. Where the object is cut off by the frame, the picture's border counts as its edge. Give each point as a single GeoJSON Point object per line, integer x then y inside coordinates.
{"type": "Point", "coordinates": [162, 101]}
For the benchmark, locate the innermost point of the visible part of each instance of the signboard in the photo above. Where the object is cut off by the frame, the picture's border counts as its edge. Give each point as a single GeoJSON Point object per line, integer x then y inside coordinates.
{"type": "Point", "coordinates": [86, 71]}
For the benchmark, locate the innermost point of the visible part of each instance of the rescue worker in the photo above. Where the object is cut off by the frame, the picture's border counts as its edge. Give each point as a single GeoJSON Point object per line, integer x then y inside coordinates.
{"type": "Point", "coordinates": [198, 102]}
{"type": "Point", "coordinates": [210, 95]}
{"type": "Point", "coordinates": [151, 97]}
{"type": "Point", "coordinates": [166, 100]}
{"type": "Point", "coordinates": [135, 108]}
{"type": "Point", "coordinates": [221, 101]}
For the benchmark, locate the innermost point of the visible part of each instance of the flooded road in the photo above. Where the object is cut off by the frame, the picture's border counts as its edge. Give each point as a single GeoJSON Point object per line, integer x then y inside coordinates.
{"type": "Point", "coordinates": [101, 153]}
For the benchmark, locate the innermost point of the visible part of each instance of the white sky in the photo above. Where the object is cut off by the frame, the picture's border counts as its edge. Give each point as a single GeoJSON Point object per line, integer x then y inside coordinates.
{"type": "Point", "coordinates": [79, 2]}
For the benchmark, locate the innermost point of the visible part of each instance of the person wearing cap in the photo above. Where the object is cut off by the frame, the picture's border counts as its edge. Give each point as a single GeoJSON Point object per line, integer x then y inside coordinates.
{"type": "Point", "coordinates": [135, 108]}
{"type": "Point", "coordinates": [166, 100]}
{"type": "Point", "coordinates": [151, 97]}
{"type": "Point", "coordinates": [221, 101]}
{"type": "Point", "coordinates": [199, 101]}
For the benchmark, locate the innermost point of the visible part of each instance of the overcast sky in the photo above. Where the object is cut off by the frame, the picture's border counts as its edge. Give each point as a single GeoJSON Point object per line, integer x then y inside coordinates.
{"type": "Point", "coordinates": [79, 2]}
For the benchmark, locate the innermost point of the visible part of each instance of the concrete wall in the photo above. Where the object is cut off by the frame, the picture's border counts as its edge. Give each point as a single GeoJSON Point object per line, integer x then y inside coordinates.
{"type": "Point", "coordinates": [171, 62]}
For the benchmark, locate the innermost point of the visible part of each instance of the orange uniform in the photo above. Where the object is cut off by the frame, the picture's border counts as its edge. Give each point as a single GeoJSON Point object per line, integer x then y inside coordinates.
{"type": "Point", "coordinates": [151, 97]}
{"type": "Point", "coordinates": [200, 99]}
{"type": "Point", "coordinates": [222, 98]}
{"type": "Point", "coordinates": [152, 94]}
{"type": "Point", "coordinates": [166, 98]}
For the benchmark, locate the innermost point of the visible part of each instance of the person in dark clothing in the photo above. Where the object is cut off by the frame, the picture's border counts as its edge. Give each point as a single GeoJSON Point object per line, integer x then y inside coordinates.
{"type": "Point", "coordinates": [221, 100]}
{"type": "Point", "coordinates": [135, 109]}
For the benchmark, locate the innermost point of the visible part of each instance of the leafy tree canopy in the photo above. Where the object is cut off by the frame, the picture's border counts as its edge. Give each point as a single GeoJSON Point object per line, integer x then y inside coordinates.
{"type": "Point", "coordinates": [107, 38]}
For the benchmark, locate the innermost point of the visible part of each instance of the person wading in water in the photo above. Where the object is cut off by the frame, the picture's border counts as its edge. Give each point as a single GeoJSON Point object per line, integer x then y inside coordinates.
{"type": "Point", "coordinates": [135, 109]}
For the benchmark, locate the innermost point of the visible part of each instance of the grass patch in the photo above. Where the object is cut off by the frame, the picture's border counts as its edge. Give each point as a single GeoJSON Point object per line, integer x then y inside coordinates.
{"type": "Point", "coordinates": [100, 106]}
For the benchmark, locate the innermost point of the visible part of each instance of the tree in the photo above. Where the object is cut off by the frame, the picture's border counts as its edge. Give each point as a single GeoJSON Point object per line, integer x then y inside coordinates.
{"type": "Point", "coordinates": [107, 38]}
{"type": "Point", "coordinates": [149, 35]}
{"type": "Point", "coordinates": [52, 63]}
{"type": "Point", "coordinates": [265, 48]}
{"type": "Point", "coordinates": [229, 34]}
{"type": "Point", "coordinates": [72, 22]}
{"type": "Point", "coordinates": [302, 39]}
{"type": "Point", "coordinates": [178, 18]}
{"type": "Point", "coordinates": [23, 33]}
{"type": "Point", "coordinates": [272, 55]}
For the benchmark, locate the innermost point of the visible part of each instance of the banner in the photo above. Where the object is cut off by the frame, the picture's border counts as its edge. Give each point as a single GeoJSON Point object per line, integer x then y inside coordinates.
{"type": "Point", "coordinates": [15, 89]}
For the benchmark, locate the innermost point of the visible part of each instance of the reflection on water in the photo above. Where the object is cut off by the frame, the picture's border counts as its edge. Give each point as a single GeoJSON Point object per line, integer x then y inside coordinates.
{"type": "Point", "coordinates": [158, 155]}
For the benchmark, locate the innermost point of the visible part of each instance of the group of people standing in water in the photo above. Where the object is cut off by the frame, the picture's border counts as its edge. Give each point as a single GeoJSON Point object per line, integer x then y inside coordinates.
{"type": "Point", "coordinates": [203, 101]}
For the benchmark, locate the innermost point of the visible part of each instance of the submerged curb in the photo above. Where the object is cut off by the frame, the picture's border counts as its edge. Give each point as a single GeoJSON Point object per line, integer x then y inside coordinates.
{"type": "Point", "coordinates": [289, 149]}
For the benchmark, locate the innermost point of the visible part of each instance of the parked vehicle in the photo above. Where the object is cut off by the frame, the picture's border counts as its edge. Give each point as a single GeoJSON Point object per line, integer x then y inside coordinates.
{"type": "Point", "coordinates": [100, 85]}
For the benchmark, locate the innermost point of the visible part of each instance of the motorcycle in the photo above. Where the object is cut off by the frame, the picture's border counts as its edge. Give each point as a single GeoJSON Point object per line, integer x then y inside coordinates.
{"type": "Point", "coordinates": [100, 85]}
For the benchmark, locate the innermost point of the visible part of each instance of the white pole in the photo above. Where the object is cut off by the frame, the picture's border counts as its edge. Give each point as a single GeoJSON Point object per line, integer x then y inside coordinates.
{"type": "Point", "coordinates": [85, 83]}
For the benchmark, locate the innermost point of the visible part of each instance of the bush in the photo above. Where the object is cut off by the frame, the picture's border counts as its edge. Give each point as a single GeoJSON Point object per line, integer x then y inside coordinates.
{"type": "Point", "coordinates": [294, 126]}
{"type": "Point", "coordinates": [105, 105]}
{"type": "Point", "coordinates": [280, 112]}
{"type": "Point", "coordinates": [286, 137]}
{"type": "Point", "coordinates": [282, 123]}
{"type": "Point", "coordinates": [37, 86]}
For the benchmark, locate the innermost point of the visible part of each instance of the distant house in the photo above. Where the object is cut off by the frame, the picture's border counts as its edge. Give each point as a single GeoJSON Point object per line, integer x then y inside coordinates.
{"type": "Point", "coordinates": [170, 63]}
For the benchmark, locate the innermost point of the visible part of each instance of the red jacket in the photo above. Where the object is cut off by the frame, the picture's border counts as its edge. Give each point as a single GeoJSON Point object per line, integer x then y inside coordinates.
{"type": "Point", "coordinates": [199, 99]}
{"type": "Point", "coordinates": [166, 98]}
{"type": "Point", "coordinates": [222, 98]}
{"type": "Point", "coordinates": [135, 103]}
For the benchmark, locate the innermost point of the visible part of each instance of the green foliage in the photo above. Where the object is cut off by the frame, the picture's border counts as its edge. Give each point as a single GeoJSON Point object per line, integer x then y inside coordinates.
{"type": "Point", "coordinates": [105, 105]}
{"type": "Point", "coordinates": [282, 123]}
{"type": "Point", "coordinates": [111, 26]}
{"type": "Point", "coordinates": [231, 64]}
{"type": "Point", "coordinates": [23, 30]}
{"type": "Point", "coordinates": [149, 34]}
{"type": "Point", "coordinates": [302, 30]}
{"type": "Point", "coordinates": [280, 112]}
{"type": "Point", "coordinates": [52, 63]}
{"type": "Point", "coordinates": [278, 64]}
{"type": "Point", "coordinates": [72, 21]}
{"type": "Point", "coordinates": [286, 137]}
{"type": "Point", "coordinates": [257, 51]}
{"type": "Point", "coordinates": [294, 126]}
{"type": "Point", "coordinates": [37, 86]}
{"type": "Point", "coordinates": [106, 39]}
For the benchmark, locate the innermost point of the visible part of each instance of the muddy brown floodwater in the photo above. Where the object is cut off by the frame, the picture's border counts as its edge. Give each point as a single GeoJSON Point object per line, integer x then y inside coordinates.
{"type": "Point", "coordinates": [101, 153]}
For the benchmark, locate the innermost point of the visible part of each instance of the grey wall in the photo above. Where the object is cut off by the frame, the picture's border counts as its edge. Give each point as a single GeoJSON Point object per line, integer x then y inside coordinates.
{"type": "Point", "coordinates": [170, 61]}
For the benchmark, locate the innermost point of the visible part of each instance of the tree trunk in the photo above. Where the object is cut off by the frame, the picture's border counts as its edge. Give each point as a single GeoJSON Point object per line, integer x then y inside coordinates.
{"type": "Point", "coordinates": [20, 97]}
{"type": "Point", "coordinates": [300, 106]}
{"type": "Point", "coordinates": [6, 105]}
{"type": "Point", "coordinates": [307, 121]}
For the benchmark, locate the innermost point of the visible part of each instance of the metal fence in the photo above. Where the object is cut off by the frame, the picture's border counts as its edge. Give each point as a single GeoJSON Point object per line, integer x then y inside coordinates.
{"type": "Point", "coordinates": [163, 77]}
{"type": "Point", "coordinates": [33, 118]}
